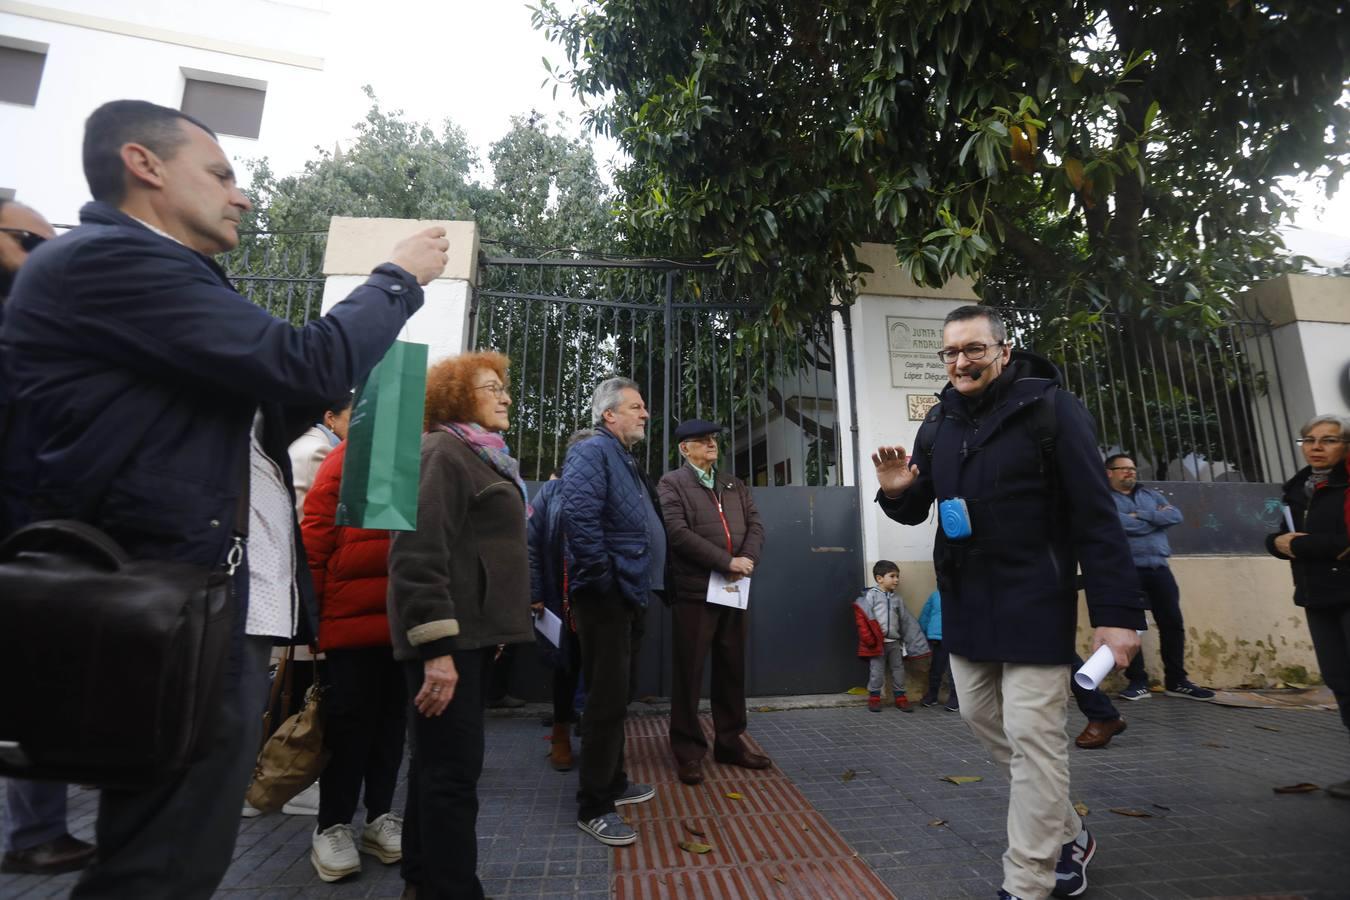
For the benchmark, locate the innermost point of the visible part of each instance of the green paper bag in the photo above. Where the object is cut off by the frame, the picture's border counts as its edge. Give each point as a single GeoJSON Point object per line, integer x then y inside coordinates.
{"type": "Point", "coordinates": [384, 443]}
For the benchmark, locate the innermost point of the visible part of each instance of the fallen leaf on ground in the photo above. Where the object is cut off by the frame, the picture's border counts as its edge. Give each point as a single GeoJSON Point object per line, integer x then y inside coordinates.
{"type": "Point", "coordinates": [856, 691]}
{"type": "Point", "coordinates": [695, 829]}
{"type": "Point", "coordinates": [848, 775]}
{"type": "Point", "coordinates": [1081, 808]}
{"type": "Point", "coordinates": [695, 847]}
{"type": "Point", "coordinates": [962, 779]}
{"type": "Point", "coordinates": [937, 823]}
{"type": "Point", "coordinates": [764, 709]}
{"type": "Point", "coordinates": [1132, 813]}
{"type": "Point", "coordinates": [1213, 744]}
{"type": "Point", "coordinates": [806, 827]}
{"type": "Point", "coordinates": [1164, 808]}
{"type": "Point", "coordinates": [735, 795]}
{"type": "Point", "coordinates": [1267, 727]}
{"type": "Point", "coordinates": [780, 879]}
{"type": "Point", "coordinates": [1303, 787]}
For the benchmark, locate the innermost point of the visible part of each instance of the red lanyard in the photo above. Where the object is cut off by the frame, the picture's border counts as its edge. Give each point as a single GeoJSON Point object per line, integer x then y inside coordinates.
{"type": "Point", "coordinates": [726, 529]}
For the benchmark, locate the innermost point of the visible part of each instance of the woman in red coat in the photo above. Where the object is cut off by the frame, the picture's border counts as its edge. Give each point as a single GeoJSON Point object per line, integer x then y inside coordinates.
{"type": "Point", "coordinates": [365, 701]}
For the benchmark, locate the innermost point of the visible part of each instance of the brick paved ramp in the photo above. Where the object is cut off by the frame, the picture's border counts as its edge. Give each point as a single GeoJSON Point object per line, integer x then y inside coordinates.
{"type": "Point", "coordinates": [1224, 834]}
{"type": "Point", "coordinates": [768, 843]}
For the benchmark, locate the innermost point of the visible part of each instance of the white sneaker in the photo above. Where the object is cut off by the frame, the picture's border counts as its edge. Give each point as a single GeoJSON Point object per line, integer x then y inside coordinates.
{"type": "Point", "coordinates": [250, 810]}
{"type": "Point", "coordinates": [333, 853]}
{"type": "Point", "coordinates": [305, 803]}
{"type": "Point", "coordinates": [383, 838]}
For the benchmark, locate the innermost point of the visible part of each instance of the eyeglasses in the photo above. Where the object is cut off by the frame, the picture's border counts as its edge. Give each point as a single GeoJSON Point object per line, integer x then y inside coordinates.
{"type": "Point", "coordinates": [28, 240]}
{"type": "Point", "coordinates": [500, 391]}
{"type": "Point", "coordinates": [1122, 469]}
{"type": "Point", "coordinates": [972, 352]}
{"type": "Point", "coordinates": [1319, 441]}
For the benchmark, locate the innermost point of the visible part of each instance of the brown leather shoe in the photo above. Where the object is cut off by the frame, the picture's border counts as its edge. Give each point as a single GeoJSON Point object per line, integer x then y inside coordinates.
{"type": "Point", "coordinates": [745, 759]}
{"type": "Point", "coordinates": [560, 753]}
{"type": "Point", "coordinates": [62, 854]}
{"type": "Point", "coordinates": [1098, 734]}
{"type": "Point", "coordinates": [691, 772]}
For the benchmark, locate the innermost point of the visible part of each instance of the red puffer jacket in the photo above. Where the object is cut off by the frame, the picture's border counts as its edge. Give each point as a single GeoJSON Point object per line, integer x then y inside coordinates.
{"type": "Point", "coordinates": [350, 566]}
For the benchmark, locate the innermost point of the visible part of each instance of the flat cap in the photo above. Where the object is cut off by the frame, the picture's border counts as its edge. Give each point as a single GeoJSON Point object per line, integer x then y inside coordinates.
{"type": "Point", "coordinates": [692, 428]}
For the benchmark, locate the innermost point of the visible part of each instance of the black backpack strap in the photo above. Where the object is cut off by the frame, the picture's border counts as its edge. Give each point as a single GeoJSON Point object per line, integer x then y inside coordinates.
{"type": "Point", "coordinates": [927, 436]}
{"type": "Point", "coordinates": [1044, 425]}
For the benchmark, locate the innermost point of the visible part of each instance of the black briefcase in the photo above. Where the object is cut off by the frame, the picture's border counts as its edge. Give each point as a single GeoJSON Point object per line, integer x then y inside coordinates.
{"type": "Point", "coordinates": [110, 668]}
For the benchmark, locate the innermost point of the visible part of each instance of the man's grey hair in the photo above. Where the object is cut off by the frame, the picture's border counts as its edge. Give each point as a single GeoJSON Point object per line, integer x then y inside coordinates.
{"type": "Point", "coordinates": [1341, 422]}
{"type": "Point", "coordinates": [996, 326]}
{"type": "Point", "coordinates": [607, 396]}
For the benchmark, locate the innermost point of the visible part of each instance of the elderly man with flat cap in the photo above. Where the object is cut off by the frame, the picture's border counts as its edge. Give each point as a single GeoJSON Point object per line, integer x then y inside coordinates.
{"type": "Point", "coordinates": [711, 526]}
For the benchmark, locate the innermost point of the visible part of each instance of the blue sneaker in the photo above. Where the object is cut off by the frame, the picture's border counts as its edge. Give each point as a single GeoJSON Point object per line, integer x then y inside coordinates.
{"type": "Point", "coordinates": [635, 793]}
{"type": "Point", "coordinates": [1071, 870]}
{"type": "Point", "coordinates": [1190, 691]}
{"type": "Point", "coordinates": [1004, 895]}
{"type": "Point", "coordinates": [609, 829]}
{"type": "Point", "coordinates": [1135, 692]}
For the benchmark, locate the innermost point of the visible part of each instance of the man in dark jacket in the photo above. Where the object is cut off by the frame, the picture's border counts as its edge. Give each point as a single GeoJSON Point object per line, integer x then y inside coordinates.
{"type": "Point", "coordinates": [139, 380]}
{"type": "Point", "coordinates": [1038, 506]}
{"type": "Point", "coordinates": [39, 841]}
{"type": "Point", "coordinates": [616, 559]}
{"type": "Point", "coordinates": [712, 526]}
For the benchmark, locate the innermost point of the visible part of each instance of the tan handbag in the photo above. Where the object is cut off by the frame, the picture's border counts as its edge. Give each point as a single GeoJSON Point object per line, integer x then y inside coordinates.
{"type": "Point", "coordinates": [292, 758]}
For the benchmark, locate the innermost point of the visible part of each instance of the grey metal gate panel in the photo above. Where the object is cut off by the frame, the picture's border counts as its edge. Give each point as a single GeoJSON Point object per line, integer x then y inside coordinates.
{"type": "Point", "coordinates": [801, 634]}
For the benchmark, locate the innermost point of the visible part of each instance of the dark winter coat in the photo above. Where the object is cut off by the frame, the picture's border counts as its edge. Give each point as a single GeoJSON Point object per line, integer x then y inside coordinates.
{"type": "Point", "coordinates": [349, 566]}
{"type": "Point", "coordinates": [699, 541]}
{"type": "Point", "coordinates": [134, 370]}
{"type": "Point", "coordinates": [605, 496]}
{"type": "Point", "coordinates": [544, 534]}
{"type": "Point", "coordinates": [461, 581]}
{"type": "Point", "coordinates": [1008, 591]}
{"type": "Point", "coordinates": [1321, 563]}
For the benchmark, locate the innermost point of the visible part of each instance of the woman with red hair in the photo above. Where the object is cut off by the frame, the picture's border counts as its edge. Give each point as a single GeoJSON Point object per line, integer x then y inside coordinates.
{"type": "Point", "coordinates": [459, 587]}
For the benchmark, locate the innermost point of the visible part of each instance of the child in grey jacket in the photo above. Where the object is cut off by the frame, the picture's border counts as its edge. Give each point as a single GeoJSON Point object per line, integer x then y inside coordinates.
{"type": "Point", "coordinates": [887, 634]}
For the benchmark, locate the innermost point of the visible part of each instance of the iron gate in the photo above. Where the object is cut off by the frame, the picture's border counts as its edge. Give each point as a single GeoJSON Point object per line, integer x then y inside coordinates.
{"type": "Point", "coordinates": [696, 349]}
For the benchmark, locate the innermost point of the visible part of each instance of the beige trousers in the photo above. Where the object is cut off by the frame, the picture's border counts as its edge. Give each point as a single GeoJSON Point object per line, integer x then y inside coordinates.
{"type": "Point", "coordinates": [1018, 712]}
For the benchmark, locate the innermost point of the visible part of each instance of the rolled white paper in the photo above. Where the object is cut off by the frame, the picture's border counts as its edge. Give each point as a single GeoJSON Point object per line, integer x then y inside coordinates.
{"type": "Point", "coordinates": [1098, 666]}
{"type": "Point", "coordinates": [1288, 518]}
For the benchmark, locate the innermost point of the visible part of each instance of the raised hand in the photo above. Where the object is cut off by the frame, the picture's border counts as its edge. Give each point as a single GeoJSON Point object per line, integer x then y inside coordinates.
{"type": "Point", "coordinates": [423, 255]}
{"type": "Point", "coordinates": [894, 471]}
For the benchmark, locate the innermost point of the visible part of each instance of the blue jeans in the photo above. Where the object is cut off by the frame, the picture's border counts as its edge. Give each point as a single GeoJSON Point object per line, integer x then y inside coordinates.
{"type": "Point", "coordinates": [37, 813]}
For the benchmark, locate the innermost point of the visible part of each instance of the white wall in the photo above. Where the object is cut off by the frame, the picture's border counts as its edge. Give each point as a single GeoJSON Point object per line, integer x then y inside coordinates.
{"type": "Point", "coordinates": [883, 411]}
{"type": "Point", "coordinates": [442, 323]}
{"type": "Point", "coordinates": [86, 66]}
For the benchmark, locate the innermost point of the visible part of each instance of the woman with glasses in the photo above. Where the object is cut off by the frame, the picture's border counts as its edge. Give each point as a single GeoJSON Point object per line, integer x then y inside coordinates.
{"type": "Point", "coordinates": [459, 587]}
{"type": "Point", "coordinates": [1318, 550]}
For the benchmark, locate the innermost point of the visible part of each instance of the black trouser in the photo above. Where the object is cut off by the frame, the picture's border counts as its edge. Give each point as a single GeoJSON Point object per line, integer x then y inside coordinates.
{"type": "Point", "coordinates": [365, 716]}
{"type": "Point", "coordinates": [936, 670]}
{"type": "Point", "coordinates": [566, 678]}
{"type": "Point", "coordinates": [610, 629]}
{"type": "Point", "coordinates": [1093, 704]}
{"type": "Point", "coordinates": [1330, 630]}
{"type": "Point", "coordinates": [440, 828]}
{"type": "Point", "coordinates": [1164, 598]}
{"type": "Point", "coordinates": [698, 628]}
{"type": "Point", "coordinates": [499, 678]}
{"type": "Point", "coordinates": [175, 840]}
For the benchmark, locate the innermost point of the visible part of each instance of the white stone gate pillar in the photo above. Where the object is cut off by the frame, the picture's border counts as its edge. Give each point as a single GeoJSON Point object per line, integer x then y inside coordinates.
{"type": "Point", "coordinates": [355, 246]}
{"type": "Point", "coordinates": [896, 330]}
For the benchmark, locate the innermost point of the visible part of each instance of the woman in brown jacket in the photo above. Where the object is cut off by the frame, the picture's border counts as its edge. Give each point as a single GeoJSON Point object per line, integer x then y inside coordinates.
{"type": "Point", "coordinates": [459, 587]}
{"type": "Point", "coordinates": [711, 526]}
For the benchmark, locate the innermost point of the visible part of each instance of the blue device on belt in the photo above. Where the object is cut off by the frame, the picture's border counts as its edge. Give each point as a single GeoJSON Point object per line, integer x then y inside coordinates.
{"type": "Point", "coordinates": [955, 519]}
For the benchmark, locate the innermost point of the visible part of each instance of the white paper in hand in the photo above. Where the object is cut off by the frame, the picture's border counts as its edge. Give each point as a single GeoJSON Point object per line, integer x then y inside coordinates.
{"type": "Point", "coordinates": [728, 593]}
{"type": "Point", "coordinates": [550, 626]}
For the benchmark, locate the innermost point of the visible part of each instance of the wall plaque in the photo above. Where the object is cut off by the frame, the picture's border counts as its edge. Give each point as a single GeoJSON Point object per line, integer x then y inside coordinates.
{"type": "Point", "coordinates": [914, 343]}
{"type": "Point", "coordinates": [919, 405]}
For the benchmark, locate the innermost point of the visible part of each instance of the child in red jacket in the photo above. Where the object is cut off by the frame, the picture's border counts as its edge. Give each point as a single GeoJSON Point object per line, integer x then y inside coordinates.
{"type": "Point", "coordinates": [887, 634]}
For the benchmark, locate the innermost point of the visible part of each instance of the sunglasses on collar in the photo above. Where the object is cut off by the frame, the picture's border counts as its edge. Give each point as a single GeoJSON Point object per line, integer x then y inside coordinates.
{"type": "Point", "coordinates": [28, 240]}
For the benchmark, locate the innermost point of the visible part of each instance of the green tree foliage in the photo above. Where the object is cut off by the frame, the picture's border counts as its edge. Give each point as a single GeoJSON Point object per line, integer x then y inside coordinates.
{"type": "Point", "coordinates": [1085, 154]}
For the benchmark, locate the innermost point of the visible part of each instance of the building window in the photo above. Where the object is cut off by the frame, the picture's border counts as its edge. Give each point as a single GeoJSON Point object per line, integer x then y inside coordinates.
{"type": "Point", "coordinates": [21, 65]}
{"type": "Point", "coordinates": [227, 105]}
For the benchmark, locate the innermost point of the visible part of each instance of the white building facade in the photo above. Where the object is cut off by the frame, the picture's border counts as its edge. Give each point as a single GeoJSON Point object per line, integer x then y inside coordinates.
{"type": "Point", "coordinates": [246, 68]}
